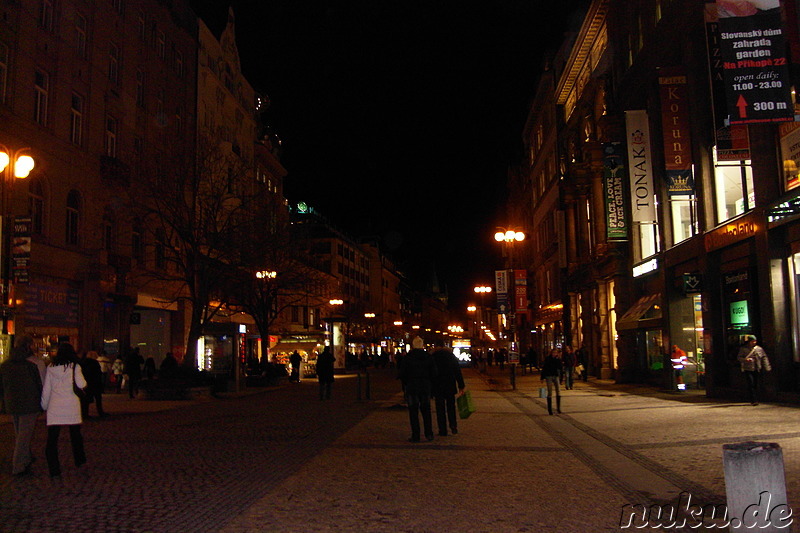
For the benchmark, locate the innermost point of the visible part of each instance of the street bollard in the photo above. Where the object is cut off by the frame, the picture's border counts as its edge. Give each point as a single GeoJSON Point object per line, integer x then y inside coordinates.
{"type": "Point", "coordinates": [755, 486]}
{"type": "Point", "coordinates": [366, 385]}
{"type": "Point", "coordinates": [358, 386]}
{"type": "Point", "coordinates": [513, 377]}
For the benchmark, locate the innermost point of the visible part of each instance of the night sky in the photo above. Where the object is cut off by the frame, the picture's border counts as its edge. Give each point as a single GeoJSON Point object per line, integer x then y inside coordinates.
{"type": "Point", "coordinates": [399, 118]}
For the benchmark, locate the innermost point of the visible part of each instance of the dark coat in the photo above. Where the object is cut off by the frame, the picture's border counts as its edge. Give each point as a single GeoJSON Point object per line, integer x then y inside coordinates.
{"type": "Point", "coordinates": [448, 373]}
{"type": "Point", "coordinates": [93, 375]}
{"type": "Point", "coordinates": [133, 365]}
{"type": "Point", "coordinates": [552, 367]}
{"type": "Point", "coordinates": [325, 362]}
{"type": "Point", "coordinates": [417, 372]}
{"type": "Point", "coordinates": [20, 387]}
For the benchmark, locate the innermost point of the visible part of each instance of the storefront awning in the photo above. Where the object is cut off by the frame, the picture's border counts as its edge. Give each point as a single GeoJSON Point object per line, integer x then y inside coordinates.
{"type": "Point", "coordinates": [645, 313]}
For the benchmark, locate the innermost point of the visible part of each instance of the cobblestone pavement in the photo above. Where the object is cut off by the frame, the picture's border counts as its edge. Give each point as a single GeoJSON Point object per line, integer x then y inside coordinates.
{"type": "Point", "coordinates": [281, 460]}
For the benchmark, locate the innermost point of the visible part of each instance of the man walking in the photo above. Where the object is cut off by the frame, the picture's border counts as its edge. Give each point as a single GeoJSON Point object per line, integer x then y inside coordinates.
{"type": "Point", "coordinates": [21, 390]}
{"type": "Point", "coordinates": [416, 372]}
{"type": "Point", "coordinates": [444, 388]}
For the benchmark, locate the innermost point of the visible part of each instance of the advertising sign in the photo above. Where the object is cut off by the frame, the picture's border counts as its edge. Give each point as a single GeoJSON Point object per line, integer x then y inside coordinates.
{"type": "Point", "coordinates": [756, 71]}
{"type": "Point", "coordinates": [21, 250]}
{"type": "Point", "coordinates": [501, 288]}
{"type": "Point", "coordinates": [675, 130]}
{"type": "Point", "coordinates": [789, 133]}
{"type": "Point", "coordinates": [51, 305]}
{"type": "Point", "coordinates": [614, 190]}
{"type": "Point", "coordinates": [521, 291]}
{"type": "Point", "coordinates": [733, 142]}
{"type": "Point", "coordinates": [643, 205]}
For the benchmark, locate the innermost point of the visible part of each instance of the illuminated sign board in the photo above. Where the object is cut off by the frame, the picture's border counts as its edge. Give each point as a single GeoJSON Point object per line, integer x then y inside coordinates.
{"type": "Point", "coordinates": [739, 313]}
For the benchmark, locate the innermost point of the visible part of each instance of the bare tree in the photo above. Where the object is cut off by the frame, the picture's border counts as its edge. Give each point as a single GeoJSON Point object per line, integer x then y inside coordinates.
{"type": "Point", "coordinates": [275, 272]}
{"type": "Point", "coordinates": [194, 218]}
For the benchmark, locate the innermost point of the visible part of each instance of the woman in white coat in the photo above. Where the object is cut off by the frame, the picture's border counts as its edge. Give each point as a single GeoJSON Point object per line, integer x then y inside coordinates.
{"type": "Point", "coordinates": [63, 406]}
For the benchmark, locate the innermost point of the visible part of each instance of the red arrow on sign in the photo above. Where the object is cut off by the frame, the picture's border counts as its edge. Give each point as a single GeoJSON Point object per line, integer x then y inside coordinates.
{"type": "Point", "coordinates": [742, 105]}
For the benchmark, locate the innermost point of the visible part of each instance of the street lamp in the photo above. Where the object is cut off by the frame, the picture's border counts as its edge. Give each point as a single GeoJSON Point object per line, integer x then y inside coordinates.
{"type": "Point", "coordinates": [510, 236]}
{"type": "Point", "coordinates": [13, 164]}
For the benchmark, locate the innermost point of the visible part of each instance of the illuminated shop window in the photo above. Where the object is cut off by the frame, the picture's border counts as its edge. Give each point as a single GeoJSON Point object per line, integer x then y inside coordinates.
{"type": "Point", "coordinates": [733, 188]}
{"type": "Point", "coordinates": [684, 218]}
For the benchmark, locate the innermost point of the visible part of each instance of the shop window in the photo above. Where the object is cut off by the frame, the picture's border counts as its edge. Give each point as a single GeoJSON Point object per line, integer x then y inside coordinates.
{"type": "Point", "coordinates": [684, 217]}
{"type": "Point", "coordinates": [794, 268]}
{"type": "Point", "coordinates": [733, 188]}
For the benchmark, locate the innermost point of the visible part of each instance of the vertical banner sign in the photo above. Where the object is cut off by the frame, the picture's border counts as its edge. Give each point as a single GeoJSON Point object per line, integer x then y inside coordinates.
{"type": "Point", "coordinates": [614, 187]}
{"type": "Point", "coordinates": [21, 250]}
{"type": "Point", "coordinates": [501, 288]}
{"type": "Point", "coordinates": [521, 291]}
{"type": "Point", "coordinates": [733, 141]}
{"type": "Point", "coordinates": [643, 201]}
{"type": "Point", "coordinates": [756, 71]}
{"type": "Point", "coordinates": [675, 129]}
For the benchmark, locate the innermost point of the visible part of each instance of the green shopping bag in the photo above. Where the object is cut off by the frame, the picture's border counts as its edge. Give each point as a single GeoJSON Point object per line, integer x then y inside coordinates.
{"type": "Point", "coordinates": [465, 405]}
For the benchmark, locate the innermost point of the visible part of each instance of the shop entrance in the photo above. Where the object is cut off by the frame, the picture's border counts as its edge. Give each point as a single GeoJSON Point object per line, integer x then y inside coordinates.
{"type": "Point", "coordinates": [686, 330]}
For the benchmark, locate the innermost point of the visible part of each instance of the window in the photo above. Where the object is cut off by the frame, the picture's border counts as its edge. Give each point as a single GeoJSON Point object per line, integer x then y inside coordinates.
{"type": "Point", "coordinates": [108, 233]}
{"type": "Point", "coordinates": [161, 44]}
{"type": "Point", "coordinates": [73, 217]}
{"type": "Point", "coordinates": [160, 258]}
{"type": "Point", "coordinates": [111, 136]}
{"type": "Point", "coordinates": [76, 120]}
{"type": "Point", "coordinates": [733, 188]}
{"type": "Point", "coordinates": [3, 71]}
{"type": "Point", "coordinates": [684, 218]}
{"type": "Point", "coordinates": [140, 88]}
{"type": "Point", "coordinates": [80, 35]}
{"type": "Point", "coordinates": [46, 15]}
{"type": "Point", "coordinates": [179, 63]}
{"type": "Point", "coordinates": [36, 206]}
{"type": "Point", "coordinates": [137, 245]}
{"type": "Point", "coordinates": [113, 63]}
{"type": "Point", "coordinates": [42, 87]}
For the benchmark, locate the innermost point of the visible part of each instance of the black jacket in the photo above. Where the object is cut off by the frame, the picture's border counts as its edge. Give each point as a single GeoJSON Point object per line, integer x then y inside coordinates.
{"type": "Point", "coordinates": [552, 367]}
{"type": "Point", "coordinates": [417, 371]}
{"type": "Point", "coordinates": [448, 373]}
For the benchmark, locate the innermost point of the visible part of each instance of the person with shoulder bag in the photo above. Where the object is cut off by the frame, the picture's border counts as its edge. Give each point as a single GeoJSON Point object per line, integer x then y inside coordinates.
{"type": "Point", "coordinates": [63, 406]}
{"type": "Point", "coordinates": [753, 359]}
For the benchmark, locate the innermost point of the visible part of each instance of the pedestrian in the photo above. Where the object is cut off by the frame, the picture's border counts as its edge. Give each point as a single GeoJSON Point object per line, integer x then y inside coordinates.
{"type": "Point", "coordinates": [446, 384]}
{"type": "Point", "coordinates": [63, 407]}
{"type": "Point", "coordinates": [678, 359]}
{"type": "Point", "coordinates": [133, 369]}
{"type": "Point", "coordinates": [325, 362]}
{"type": "Point", "coordinates": [118, 370]}
{"type": "Point", "coordinates": [753, 359]}
{"type": "Point", "coordinates": [105, 367]}
{"type": "Point", "coordinates": [21, 391]}
{"type": "Point", "coordinates": [533, 359]}
{"type": "Point", "coordinates": [583, 363]}
{"type": "Point", "coordinates": [552, 368]}
{"type": "Point", "coordinates": [93, 374]}
{"type": "Point", "coordinates": [150, 369]}
{"type": "Point", "coordinates": [169, 366]}
{"type": "Point", "coordinates": [296, 361]}
{"type": "Point", "coordinates": [568, 360]}
{"type": "Point", "coordinates": [416, 373]}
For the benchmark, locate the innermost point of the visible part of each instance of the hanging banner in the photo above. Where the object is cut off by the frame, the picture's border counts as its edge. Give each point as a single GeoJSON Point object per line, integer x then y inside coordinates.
{"type": "Point", "coordinates": [21, 250]}
{"type": "Point", "coordinates": [501, 289]}
{"type": "Point", "coordinates": [614, 189]}
{"type": "Point", "coordinates": [733, 142]}
{"type": "Point", "coordinates": [753, 52]}
{"type": "Point", "coordinates": [642, 190]}
{"type": "Point", "coordinates": [675, 129]}
{"type": "Point", "coordinates": [521, 291]}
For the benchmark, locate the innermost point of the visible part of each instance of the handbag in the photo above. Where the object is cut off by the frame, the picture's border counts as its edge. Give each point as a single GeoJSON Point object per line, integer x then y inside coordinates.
{"type": "Point", "coordinates": [542, 392]}
{"type": "Point", "coordinates": [465, 405]}
{"type": "Point", "coordinates": [579, 369]}
{"type": "Point", "coordinates": [79, 392]}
